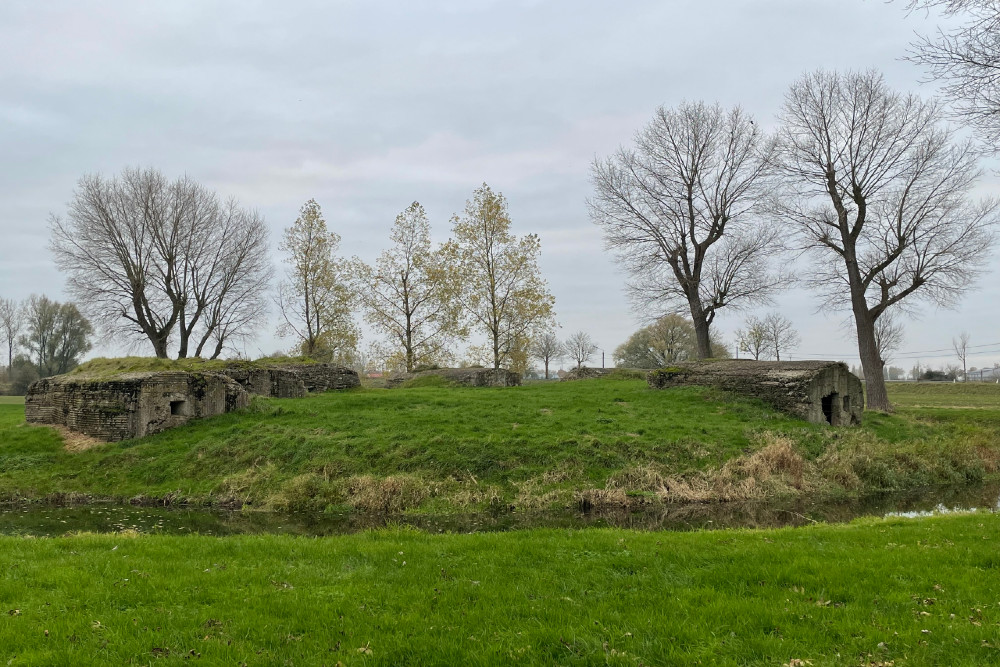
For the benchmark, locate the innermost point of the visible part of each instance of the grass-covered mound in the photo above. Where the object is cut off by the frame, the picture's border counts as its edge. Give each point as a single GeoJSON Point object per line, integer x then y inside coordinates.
{"type": "Point", "coordinates": [557, 444]}
{"type": "Point", "coordinates": [103, 367]}
{"type": "Point", "coordinates": [877, 592]}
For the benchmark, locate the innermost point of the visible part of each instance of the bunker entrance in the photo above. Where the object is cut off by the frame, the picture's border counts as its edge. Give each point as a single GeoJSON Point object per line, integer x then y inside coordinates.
{"type": "Point", "coordinates": [829, 405]}
{"type": "Point", "coordinates": [178, 408]}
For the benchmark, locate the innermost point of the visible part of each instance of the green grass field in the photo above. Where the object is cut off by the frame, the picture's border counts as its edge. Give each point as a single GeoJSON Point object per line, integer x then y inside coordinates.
{"type": "Point", "coordinates": [873, 593]}
{"type": "Point", "coordinates": [963, 395]}
{"type": "Point", "coordinates": [543, 445]}
{"type": "Point", "coordinates": [11, 400]}
{"type": "Point", "coordinates": [878, 592]}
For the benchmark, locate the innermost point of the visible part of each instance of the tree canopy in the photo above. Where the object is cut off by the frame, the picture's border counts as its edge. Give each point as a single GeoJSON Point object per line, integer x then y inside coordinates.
{"type": "Point", "coordinates": [165, 261]}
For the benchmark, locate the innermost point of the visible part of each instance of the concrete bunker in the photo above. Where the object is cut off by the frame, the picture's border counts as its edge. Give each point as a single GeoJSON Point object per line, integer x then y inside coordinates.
{"type": "Point", "coordinates": [132, 405]}
{"type": "Point", "coordinates": [822, 392]}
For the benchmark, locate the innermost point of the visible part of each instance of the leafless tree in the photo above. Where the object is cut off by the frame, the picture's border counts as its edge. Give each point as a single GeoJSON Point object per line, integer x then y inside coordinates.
{"type": "Point", "coordinates": [966, 57]}
{"type": "Point", "coordinates": [781, 335]}
{"type": "Point", "coordinates": [961, 346]}
{"type": "Point", "coordinates": [679, 211]}
{"type": "Point", "coordinates": [11, 324]}
{"type": "Point", "coordinates": [547, 348]}
{"type": "Point", "coordinates": [152, 259]}
{"type": "Point", "coordinates": [878, 189]}
{"type": "Point", "coordinates": [579, 347]}
{"type": "Point", "coordinates": [888, 335]}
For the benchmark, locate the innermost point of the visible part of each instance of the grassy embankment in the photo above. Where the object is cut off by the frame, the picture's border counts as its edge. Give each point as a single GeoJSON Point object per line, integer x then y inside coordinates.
{"type": "Point", "coordinates": [433, 448]}
{"type": "Point", "coordinates": [876, 592]}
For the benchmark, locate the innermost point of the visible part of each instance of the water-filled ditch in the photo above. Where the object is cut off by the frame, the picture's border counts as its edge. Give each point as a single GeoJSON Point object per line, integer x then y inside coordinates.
{"type": "Point", "coordinates": [48, 520]}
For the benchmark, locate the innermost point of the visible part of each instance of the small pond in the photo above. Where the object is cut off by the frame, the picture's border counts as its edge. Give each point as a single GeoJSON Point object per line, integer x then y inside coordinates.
{"type": "Point", "coordinates": [49, 520]}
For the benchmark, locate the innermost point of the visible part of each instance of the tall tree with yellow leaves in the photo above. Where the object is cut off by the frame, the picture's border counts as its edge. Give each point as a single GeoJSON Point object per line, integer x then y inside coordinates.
{"type": "Point", "coordinates": [315, 298]}
{"type": "Point", "coordinates": [410, 293]}
{"type": "Point", "coordinates": [504, 295]}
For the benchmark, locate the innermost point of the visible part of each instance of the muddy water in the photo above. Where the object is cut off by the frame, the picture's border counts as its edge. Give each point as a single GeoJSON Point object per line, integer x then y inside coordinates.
{"type": "Point", "coordinates": [52, 521]}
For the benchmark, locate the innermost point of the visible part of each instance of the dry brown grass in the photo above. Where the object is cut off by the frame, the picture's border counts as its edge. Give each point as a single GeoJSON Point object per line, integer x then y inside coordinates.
{"type": "Point", "coordinates": [776, 468]}
{"type": "Point", "coordinates": [387, 495]}
{"type": "Point", "coordinates": [74, 442]}
{"type": "Point", "coordinates": [599, 498]}
{"type": "Point", "coordinates": [237, 489]}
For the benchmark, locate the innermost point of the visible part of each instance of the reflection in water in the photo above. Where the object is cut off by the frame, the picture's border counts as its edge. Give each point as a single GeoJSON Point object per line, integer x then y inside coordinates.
{"type": "Point", "coordinates": [52, 521]}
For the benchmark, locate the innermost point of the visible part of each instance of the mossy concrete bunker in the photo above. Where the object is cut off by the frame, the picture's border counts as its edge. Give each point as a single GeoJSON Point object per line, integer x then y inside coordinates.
{"type": "Point", "coordinates": [822, 392]}
{"type": "Point", "coordinates": [128, 405]}
{"type": "Point", "coordinates": [131, 405]}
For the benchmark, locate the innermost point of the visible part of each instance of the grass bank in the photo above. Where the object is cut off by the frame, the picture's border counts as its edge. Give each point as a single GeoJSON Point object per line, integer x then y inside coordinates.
{"type": "Point", "coordinates": [597, 442]}
{"type": "Point", "coordinates": [878, 592]}
{"type": "Point", "coordinates": [108, 367]}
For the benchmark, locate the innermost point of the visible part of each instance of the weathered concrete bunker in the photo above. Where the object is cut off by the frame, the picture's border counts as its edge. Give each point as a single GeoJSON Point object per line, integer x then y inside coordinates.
{"type": "Point", "coordinates": [133, 405]}
{"type": "Point", "coordinates": [466, 377]}
{"type": "Point", "coordinates": [822, 392]}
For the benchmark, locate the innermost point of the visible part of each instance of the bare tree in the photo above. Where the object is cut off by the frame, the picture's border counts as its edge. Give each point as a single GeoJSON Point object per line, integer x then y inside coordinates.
{"type": "Point", "coordinates": [961, 346]}
{"type": "Point", "coordinates": [158, 260]}
{"type": "Point", "coordinates": [888, 336]}
{"type": "Point", "coordinates": [579, 347]}
{"type": "Point", "coordinates": [679, 211]}
{"type": "Point", "coordinates": [11, 324]}
{"type": "Point", "coordinates": [753, 339]}
{"type": "Point", "coordinates": [966, 58]}
{"type": "Point", "coordinates": [878, 189]}
{"type": "Point", "coordinates": [780, 333]}
{"type": "Point", "coordinates": [547, 348]}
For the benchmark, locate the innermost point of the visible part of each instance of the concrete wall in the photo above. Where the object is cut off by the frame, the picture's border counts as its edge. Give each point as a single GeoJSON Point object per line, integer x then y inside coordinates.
{"type": "Point", "coordinates": [322, 377]}
{"type": "Point", "coordinates": [466, 377]}
{"type": "Point", "coordinates": [268, 382]}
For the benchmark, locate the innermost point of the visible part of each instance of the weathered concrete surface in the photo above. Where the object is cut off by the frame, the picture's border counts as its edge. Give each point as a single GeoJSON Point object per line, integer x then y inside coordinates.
{"type": "Point", "coordinates": [268, 382]}
{"type": "Point", "coordinates": [587, 373]}
{"type": "Point", "coordinates": [466, 377]}
{"type": "Point", "coordinates": [823, 392]}
{"type": "Point", "coordinates": [131, 405]}
{"type": "Point", "coordinates": [322, 377]}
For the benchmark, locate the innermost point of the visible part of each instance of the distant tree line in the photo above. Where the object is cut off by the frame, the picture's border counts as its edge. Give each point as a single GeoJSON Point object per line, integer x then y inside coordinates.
{"type": "Point", "coordinates": [41, 338]}
{"type": "Point", "coordinates": [172, 264]}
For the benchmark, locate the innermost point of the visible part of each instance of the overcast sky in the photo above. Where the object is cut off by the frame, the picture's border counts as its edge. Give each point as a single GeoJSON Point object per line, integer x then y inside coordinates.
{"type": "Point", "coordinates": [368, 106]}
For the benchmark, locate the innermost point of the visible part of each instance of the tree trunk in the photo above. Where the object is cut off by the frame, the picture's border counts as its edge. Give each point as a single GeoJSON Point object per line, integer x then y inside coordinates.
{"type": "Point", "coordinates": [701, 332]}
{"type": "Point", "coordinates": [546, 369]}
{"type": "Point", "coordinates": [876, 397]}
{"type": "Point", "coordinates": [160, 346]}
